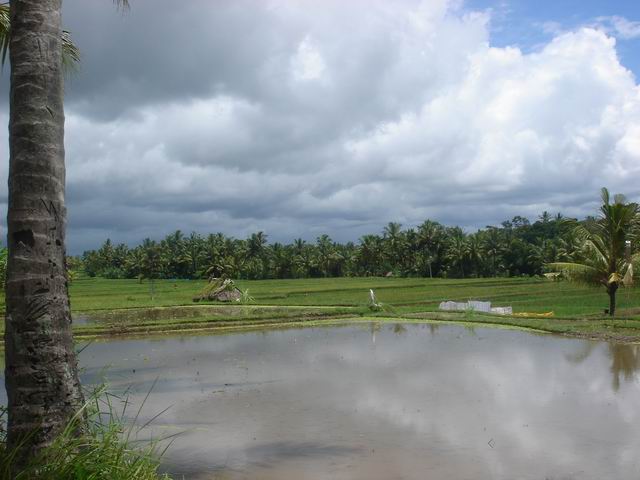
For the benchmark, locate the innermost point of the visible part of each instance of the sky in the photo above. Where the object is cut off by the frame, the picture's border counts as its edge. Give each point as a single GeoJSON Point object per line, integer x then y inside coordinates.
{"type": "Point", "coordinates": [298, 118]}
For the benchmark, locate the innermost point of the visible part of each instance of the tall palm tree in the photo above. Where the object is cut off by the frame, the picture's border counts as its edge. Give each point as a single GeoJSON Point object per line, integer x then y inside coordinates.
{"type": "Point", "coordinates": [41, 376]}
{"type": "Point", "coordinates": [369, 255]}
{"type": "Point", "coordinates": [604, 240]}
{"type": "Point", "coordinates": [304, 261]}
{"type": "Point", "coordinates": [458, 250]}
{"type": "Point", "coordinates": [475, 253]}
{"type": "Point", "coordinates": [410, 254]}
{"type": "Point", "coordinates": [494, 246]}
{"type": "Point", "coordinates": [545, 217]}
{"type": "Point", "coordinates": [325, 248]}
{"type": "Point", "coordinates": [298, 245]}
{"type": "Point", "coordinates": [280, 261]}
{"type": "Point", "coordinates": [431, 240]}
{"type": "Point", "coordinates": [134, 264]}
{"type": "Point", "coordinates": [256, 244]}
{"type": "Point", "coordinates": [393, 237]}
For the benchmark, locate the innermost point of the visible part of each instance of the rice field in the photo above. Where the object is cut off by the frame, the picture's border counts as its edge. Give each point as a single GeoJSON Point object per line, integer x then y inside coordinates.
{"type": "Point", "coordinates": [403, 294]}
{"type": "Point", "coordinates": [103, 307]}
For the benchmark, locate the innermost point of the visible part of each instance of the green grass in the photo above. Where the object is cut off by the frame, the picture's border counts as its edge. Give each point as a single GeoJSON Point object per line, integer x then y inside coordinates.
{"type": "Point", "coordinates": [107, 448]}
{"type": "Point", "coordinates": [126, 306]}
{"type": "Point", "coordinates": [406, 294]}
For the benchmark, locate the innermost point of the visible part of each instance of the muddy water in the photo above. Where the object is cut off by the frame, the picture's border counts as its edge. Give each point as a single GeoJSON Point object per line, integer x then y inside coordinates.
{"type": "Point", "coordinates": [385, 402]}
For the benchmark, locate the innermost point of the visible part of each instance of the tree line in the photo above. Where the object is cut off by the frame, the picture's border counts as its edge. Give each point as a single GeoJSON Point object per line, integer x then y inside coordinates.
{"type": "Point", "coordinates": [517, 247]}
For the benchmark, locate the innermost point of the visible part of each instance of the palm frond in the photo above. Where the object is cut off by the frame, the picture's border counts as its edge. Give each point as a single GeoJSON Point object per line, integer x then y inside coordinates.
{"type": "Point", "coordinates": [604, 194]}
{"type": "Point", "coordinates": [579, 272]}
{"type": "Point", "coordinates": [596, 245]}
{"type": "Point", "coordinates": [571, 267]}
{"type": "Point", "coordinates": [70, 52]}
{"type": "Point", "coordinates": [619, 198]}
{"type": "Point", "coordinates": [581, 231]}
{"type": "Point", "coordinates": [5, 30]}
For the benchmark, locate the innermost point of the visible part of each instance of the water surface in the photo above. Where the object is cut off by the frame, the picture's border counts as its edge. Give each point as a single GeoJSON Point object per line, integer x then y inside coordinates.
{"type": "Point", "coordinates": [385, 402]}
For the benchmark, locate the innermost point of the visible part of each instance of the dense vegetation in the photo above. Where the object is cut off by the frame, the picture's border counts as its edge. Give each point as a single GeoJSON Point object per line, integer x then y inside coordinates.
{"type": "Point", "coordinates": [518, 247]}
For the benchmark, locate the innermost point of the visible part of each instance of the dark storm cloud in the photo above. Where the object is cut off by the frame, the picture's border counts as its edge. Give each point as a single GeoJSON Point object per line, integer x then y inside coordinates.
{"type": "Point", "coordinates": [159, 52]}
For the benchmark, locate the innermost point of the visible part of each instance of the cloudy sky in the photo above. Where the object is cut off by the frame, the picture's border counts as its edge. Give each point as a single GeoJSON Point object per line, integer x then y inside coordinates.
{"type": "Point", "coordinates": [306, 117]}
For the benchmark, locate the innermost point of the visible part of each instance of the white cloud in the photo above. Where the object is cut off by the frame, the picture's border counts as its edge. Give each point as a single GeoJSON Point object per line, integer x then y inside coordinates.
{"type": "Point", "coordinates": [307, 64]}
{"type": "Point", "coordinates": [552, 119]}
{"type": "Point", "coordinates": [341, 116]}
{"type": "Point", "coordinates": [620, 27]}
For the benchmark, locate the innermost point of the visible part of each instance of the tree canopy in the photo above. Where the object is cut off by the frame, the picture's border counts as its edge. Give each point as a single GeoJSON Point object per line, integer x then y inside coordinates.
{"type": "Point", "coordinates": [517, 247]}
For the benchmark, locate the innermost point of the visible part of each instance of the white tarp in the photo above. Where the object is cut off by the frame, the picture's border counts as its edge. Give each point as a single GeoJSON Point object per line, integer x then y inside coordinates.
{"type": "Point", "coordinates": [453, 305]}
{"type": "Point", "coordinates": [479, 306]}
{"type": "Point", "coordinates": [476, 306]}
{"type": "Point", "coordinates": [502, 310]}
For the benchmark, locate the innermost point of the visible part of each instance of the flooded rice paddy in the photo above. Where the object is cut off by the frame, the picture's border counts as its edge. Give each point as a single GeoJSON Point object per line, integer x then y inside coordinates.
{"type": "Point", "coordinates": [384, 401]}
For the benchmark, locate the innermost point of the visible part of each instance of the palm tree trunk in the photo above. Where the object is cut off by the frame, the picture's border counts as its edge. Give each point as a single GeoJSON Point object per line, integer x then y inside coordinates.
{"type": "Point", "coordinates": [41, 373]}
{"type": "Point", "coordinates": [611, 290]}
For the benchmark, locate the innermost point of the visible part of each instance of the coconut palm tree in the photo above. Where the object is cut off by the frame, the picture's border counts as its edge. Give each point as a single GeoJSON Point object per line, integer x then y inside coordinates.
{"type": "Point", "coordinates": [431, 238]}
{"type": "Point", "coordinates": [475, 253]}
{"type": "Point", "coordinates": [369, 255]}
{"type": "Point", "coordinates": [279, 261]}
{"type": "Point", "coordinates": [494, 246]}
{"type": "Point", "coordinates": [41, 376]}
{"type": "Point", "coordinates": [604, 241]}
{"type": "Point", "coordinates": [394, 240]}
{"type": "Point", "coordinates": [256, 244]}
{"type": "Point", "coordinates": [458, 250]}
{"type": "Point", "coordinates": [304, 261]}
{"type": "Point", "coordinates": [194, 253]}
{"type": "Point", "coordinates": [325, 248]}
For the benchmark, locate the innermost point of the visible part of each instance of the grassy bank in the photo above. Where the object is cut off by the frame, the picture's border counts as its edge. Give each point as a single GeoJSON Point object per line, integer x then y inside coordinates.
{"type": "Point", "coordinates": [106, 449]}
{"type": "Point", "coordinates": [115, 307]}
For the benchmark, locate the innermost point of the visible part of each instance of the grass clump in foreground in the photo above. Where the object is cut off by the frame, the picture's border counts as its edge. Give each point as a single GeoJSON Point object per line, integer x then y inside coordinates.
{"type": "Point", "coordinates": [105, 450]}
